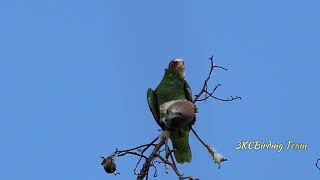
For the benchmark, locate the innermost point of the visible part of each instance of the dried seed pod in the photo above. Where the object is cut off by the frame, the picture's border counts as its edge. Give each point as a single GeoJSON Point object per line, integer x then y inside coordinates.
{"type": "Point", "coordinates": [108, 164]}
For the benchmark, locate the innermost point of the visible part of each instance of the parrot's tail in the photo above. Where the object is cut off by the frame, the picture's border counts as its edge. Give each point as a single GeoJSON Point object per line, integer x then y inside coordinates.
{"type": "Point", "coordinates": [180, 143]}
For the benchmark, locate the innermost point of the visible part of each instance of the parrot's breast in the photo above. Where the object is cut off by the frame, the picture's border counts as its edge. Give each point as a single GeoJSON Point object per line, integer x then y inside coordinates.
{"type": "Point", "coordinates": [164, 112]}
{"type": "Point", "coordinates": [165, 106]}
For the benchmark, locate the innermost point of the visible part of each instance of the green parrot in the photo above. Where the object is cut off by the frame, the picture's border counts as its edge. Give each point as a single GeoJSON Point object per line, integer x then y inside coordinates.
{"type": "Point", "coordinates": [172, 108]}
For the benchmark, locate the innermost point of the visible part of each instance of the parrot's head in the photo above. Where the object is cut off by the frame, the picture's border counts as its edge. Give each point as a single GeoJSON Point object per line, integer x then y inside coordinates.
{"type": "Point", "coordinates": [177, 66]}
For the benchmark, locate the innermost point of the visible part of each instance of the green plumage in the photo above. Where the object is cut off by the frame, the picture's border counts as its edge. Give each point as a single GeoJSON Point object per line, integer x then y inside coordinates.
{"type": "Point", "coordinates": [180, 143]}
{"type": "Point", "coordinates": [172, 87]}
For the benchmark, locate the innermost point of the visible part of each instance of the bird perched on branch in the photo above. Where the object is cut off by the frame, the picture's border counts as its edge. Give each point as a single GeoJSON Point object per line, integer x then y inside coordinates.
{"type": "Point", "coordinates": [172, 108]}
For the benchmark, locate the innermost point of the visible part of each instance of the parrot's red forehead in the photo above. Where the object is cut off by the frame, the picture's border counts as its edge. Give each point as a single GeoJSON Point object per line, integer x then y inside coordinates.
{"type": "Point", "coordinates": [174, 63]}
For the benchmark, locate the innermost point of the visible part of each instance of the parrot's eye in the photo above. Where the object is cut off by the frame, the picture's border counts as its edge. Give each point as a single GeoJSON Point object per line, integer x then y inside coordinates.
{"type": "Point", "coordinates": [171, 64]}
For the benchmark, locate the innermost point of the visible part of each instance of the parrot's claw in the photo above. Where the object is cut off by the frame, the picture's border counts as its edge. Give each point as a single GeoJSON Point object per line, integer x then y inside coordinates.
{"type": "Point", "coordinates": [196, 109]}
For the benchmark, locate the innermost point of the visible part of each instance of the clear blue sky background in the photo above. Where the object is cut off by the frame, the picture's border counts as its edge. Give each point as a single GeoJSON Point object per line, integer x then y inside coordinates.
{"type": "Point", "coordinates": [74, 76]}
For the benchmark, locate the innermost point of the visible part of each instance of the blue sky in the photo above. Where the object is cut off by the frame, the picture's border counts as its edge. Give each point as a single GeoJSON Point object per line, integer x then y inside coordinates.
{"type": "Point", "coordinates": [74, 76]}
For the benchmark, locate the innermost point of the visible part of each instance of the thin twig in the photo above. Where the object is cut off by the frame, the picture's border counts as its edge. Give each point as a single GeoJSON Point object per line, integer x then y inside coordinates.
{"type": "Point", "coordinates": [231, 99]}
{"type": "Point", "coordinates": [138, 147]}
{"type": "Point", "coordinates": [132, 153]}
{"type": "Point", "coordinates": [175, 169]}
{"type": "Point", "coordinates": [207, 95]}
{"type": "Point", "coordinates": [202, 142]}
{"type": "Point", "coordinates": [217, 158]}
{"type": "Point", "coordinates": [205, 87]}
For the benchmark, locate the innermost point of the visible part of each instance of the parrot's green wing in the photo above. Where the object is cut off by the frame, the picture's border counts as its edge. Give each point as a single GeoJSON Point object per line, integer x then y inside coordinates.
{"type": "Point", "coordinates": [187, 91]}
{"type": "Point", "coordinates": [153, 105]}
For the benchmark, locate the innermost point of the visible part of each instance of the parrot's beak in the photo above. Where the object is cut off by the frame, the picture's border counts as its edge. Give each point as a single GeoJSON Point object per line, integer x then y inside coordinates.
{"type": "Point", "coordinates": [180, 64]}
{"type": "Point", "coordinates": [181, 70]}
{"type": "Point", "coordinates": [180, 67]}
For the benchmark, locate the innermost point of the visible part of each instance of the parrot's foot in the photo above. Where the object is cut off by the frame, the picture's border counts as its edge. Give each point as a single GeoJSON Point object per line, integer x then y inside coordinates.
{"type": "Point", "coordinates": [196, 109]}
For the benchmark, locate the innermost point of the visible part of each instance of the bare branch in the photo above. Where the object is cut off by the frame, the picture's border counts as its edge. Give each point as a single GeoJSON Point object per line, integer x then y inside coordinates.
{"type": "Point", "coordinates": [217, 158]}
{"type": "Point", "coordinates": [145, 145]}
{"type": "Point", "coordinates": [198, 137]}
{"type": "Point", "coordinates": [230, 99]}
{"type": "Point", "coordinates": [133, 151]}
{"type": "Point", "coordinates": [207, 95]}
{"type": "Point", "coordinates": [205, 91]}
{"type": "Point", "coordinates": [170, 164]}
{"type": "Point", "coordinates": [145, 169]}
